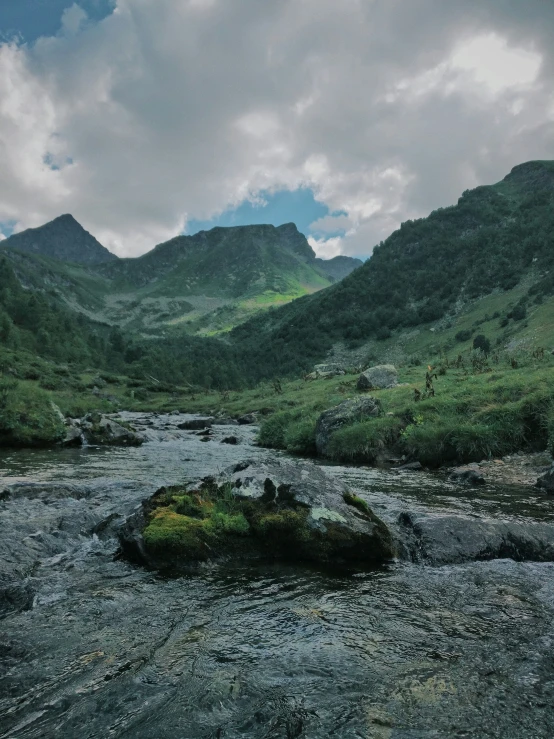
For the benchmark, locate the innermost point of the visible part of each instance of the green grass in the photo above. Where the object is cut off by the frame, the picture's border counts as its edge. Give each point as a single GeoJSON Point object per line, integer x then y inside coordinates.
{"type": "Point", "coordinates": [27, 415]}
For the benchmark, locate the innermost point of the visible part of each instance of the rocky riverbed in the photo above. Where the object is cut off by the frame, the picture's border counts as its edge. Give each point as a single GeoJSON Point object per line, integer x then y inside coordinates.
{"type": "Point", "coordinates": [454, 639]}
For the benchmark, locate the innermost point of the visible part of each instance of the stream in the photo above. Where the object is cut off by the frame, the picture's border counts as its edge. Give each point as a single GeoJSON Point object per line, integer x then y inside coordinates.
{"type": "Point", "coordinates": [94, 647]}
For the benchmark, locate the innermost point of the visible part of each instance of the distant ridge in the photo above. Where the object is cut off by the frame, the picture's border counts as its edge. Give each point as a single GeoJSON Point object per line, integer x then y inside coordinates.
{"type": "Point", "coordinates": [64, 239]}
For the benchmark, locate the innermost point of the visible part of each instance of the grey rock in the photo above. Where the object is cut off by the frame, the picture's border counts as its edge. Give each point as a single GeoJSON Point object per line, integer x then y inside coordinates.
{"type": "Point", "coordinates": [546, 481]}
{"type": "Point", "coordinates": [467, 476]}
{"type": "Point", "coordinates": [353, 534]}
{"type": "Point", "coordinates": [247, 419]}
{"type": "Point", "coordinates": [73, 436]}
{"type": "Point", "coordinates": [378, 377]}
{"type": "Point", "coordinates": [344, 414]}
{"type": "Point", "coordinates": [230, 440]}
{"type": "Point", "coordinates": [414, 466]}
{"type": "Point", "coordinates": [451, 539]}
{"type": "Point", "coordinates": [326, 371]}
{"type": "Point", "coordinates": [196, 424]}
{"type": "Point", "coordinates": [98, 429]}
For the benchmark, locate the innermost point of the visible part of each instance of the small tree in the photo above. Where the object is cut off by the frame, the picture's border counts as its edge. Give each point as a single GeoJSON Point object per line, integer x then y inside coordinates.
{"type": "Point", "coordinates": [481, 342]}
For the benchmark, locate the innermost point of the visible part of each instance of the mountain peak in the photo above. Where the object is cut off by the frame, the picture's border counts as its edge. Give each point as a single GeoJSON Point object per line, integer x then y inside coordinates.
{"type": "Point", "coordinates": [63, 238]}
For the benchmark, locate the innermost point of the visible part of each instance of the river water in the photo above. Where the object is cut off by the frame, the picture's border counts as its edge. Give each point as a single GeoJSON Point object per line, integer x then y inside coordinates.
{"type": "Point", "coordinates": [409, 651]}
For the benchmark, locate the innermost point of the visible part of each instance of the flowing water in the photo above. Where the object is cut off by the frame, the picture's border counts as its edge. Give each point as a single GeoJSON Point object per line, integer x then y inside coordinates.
{"type": "Point", "coordinates": [410, 651]}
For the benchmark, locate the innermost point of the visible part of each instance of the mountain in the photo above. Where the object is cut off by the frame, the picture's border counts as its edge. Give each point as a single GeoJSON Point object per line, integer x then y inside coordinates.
{"type": "Point", "coordinates": [497, 240]}
{"type": "Point", "coordinates": [216, 279]}
{"type": "Point", "coordinates": [339, 267]}
{"type": "Point", "coordinates": [64, 239]}
{"type": "Point", "coordinates": [204, 284]}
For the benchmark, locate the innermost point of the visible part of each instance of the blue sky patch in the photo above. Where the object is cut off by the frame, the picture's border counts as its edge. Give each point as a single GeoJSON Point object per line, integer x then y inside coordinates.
{"type": "Point", "coordinates": [30, 19]}
{"type": "Point", "coordinates": [285, 206]}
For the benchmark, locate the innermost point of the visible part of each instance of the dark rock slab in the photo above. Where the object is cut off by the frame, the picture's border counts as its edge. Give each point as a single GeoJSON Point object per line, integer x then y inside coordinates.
{"type": "Point", "coordinates": [472, 476]}
{"type": "Point", "coordinates": [196, 424]}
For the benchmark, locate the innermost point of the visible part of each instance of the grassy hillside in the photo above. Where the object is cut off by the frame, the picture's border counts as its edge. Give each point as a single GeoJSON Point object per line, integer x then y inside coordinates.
{"type": "Point", "coordinates": [495, 239]}
{"type": "Point", "coordinates": [204, 284]}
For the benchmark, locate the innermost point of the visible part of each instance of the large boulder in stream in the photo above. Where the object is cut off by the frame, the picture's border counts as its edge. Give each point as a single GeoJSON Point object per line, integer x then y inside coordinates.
{"type": "Point", "coordinates": [443, 538]}
{"type": "Point", "coordinates": [377, 378]}
{"type": "Point", "coordinates": [98, 429]}
{"type": "Point", "coordinates": [344, 414]}
{"type": "Point", "coordinates": [546, 481]}
{"type": "Point", "coordinates": [281, 508]}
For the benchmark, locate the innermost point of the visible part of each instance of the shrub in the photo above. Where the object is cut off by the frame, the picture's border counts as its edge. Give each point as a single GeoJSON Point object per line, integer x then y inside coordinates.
{"type": "Point", "coordinates": [463, 336]}
{"type": "Point", "coordinates": [299, 437]}
{"type": "Point", "coordinates": [27, 416]}
{"type": "Point", "coordinates": [481, 342]}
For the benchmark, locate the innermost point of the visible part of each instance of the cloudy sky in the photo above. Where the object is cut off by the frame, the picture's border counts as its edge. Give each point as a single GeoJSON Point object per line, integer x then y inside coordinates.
{"type": "Point", "coordinates": [148, 118]}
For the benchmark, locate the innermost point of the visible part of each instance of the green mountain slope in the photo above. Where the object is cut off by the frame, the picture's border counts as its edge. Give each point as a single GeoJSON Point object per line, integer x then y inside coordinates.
{"type": "Point", "coordinates": [495, 239]}
{"type": "Point", "coordinates": [214, 280]}
{"type": "Point", "coordinates": [201, 284]}
{"type": "Point", "coordinates": [64, 239]}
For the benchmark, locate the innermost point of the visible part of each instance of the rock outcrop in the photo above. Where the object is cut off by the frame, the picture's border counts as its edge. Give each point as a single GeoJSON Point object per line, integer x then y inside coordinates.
{"type": "Point", "coordinates": [97, 429]}
{"type": "Point", "coordinates": [347, 412]}
{"type": "Point", "coordinates": [546, 481]}
{"type": "Point", "coordinates": [451, 539]}
{"type": "Point", "coordinates": [279, 508]}
{"type": "Point", "coordinates": [377, 378]}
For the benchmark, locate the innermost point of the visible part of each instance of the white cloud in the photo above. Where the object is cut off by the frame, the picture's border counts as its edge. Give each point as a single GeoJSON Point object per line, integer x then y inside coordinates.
{"type": "Point", "coordinates": [169, 110]}
{"type": "Point", "coordinates": [73, 19]}
{"type": "Point", "coordinates": [493, 63]}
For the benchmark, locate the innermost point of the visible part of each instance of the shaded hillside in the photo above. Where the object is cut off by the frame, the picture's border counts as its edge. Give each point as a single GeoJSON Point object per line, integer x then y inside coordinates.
{"type": "Point", "coordinates": [495, 237]}
{"type": "Point", "coordinates": [35, 321]}
{"type": "Point", "coordinates": [64, 239]}
{"type": "Point", "coordinates": [338, 267]}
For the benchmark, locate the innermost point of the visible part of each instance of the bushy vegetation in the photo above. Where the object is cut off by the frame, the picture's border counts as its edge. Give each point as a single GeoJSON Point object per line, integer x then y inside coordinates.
{"type": "Point", "coordinates": [27, 415]}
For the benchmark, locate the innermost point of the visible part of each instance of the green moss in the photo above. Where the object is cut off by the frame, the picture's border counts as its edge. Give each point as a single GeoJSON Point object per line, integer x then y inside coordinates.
{"type": "Point", "coordinates": [357, 502]}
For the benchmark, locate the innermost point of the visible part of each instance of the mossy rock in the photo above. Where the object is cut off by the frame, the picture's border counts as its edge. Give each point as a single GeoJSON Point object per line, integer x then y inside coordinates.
{"type": "Point", "coordinates": [281, 509]}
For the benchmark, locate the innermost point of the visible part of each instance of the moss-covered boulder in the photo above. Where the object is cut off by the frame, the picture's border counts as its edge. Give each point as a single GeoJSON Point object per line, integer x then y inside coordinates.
{"type": "Point", "coordinates": [346, 413]}
{"type": "Point", "coordinates": [280, 509]}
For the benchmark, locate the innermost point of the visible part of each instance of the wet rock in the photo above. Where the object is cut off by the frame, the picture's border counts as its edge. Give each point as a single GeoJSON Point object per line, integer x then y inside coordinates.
{"type": "Point", "coordinates": [287, 509]}
{"type": "Point", "coordinates": [99, 429]}
{"type": "Point", "coordinates": [347, 412]}
{"type": "Point", "coordinates": [467, 476]}
{"type": "Point", "coordinates": [73, 436]}
{"type": "Point", "coordinates": [230, 440]}
{"type": "Point", "coordinates": [378, 377]}
{"type": "Point", "coordinates": [247, 419]}
{"type": "Point", "coordinates": [196, 424]}
{"type": "Point", "coordinates": [415, 466]}
{"type": "Point", "coordinates": [15, 595]}
{"type": "Point", "coordinates": [450, 539]}
{"type": "Point", "coordinates": [546, 482]}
